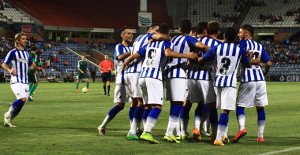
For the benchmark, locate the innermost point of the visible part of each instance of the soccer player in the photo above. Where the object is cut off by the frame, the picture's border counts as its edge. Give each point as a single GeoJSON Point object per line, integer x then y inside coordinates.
{"type": "Point", "coordinates": [175, 72]}
{"type": "Point", "coordinates": [32, 79]}
{"type": "Point", "coordinates": [252, 89]}
{"type": "Point", "coordinates": [20, 60]}
{"type": "Point", "coordinates": [122, 51]}
{"type": "Point", "coordinates": [200, 84]}
{"type": "Point", "coordinates": [151, 76]}
{"type": "Point", "coordinates": [227, 56]}
{"type": "Point", "coordinates": [105, 68]}
{"type": "Point", "coordinates": [83, 72]}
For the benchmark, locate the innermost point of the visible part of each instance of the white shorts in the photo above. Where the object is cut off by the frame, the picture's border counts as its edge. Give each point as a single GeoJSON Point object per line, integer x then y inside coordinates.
{"type": "Point", "coordinates": [120, 94]}
{"type": "Point", "coordinates": [252, 93]}
{"type": "Point", "coordinates": [152, 90]}
{"type": "Point", "coordinates": [187, 95]}
{"type": "Point", "coordinates": [20, 90]}
{"type": "Point", "coordinates": [132, 85]}
{"type": "Point", "coordinates": [175, 89]}
{"type": "Point", "coordinates": [226, 98]}
{"type": "Point", "coordinates": [201, 90]}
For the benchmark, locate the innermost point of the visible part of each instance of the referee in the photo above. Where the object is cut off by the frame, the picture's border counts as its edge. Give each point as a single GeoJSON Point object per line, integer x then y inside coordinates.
{"type": "Point", "coordinates": [105, 68]}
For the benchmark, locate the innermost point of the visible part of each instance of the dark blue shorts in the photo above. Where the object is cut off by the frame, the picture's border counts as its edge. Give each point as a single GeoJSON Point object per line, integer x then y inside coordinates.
{"type": "Point", "coordinates": [106, 77]}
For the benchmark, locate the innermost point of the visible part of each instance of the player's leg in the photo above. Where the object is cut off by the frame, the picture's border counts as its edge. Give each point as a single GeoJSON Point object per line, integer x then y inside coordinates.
{"type": "Point", "coordinates": [108, 83]}
{"type": "Point", "coordinates": [134, 103]}
{"type": "Point", "coordinates": [261, 118]}
{"type": "Point", "coordinates": [184, 117]}
{"type": "Point", "coordinates": [104, 79]}
{"type": "Point", "coordinates": [87, 81]}
{"type": "Point", "coordinates": [137, 118]}
{"type": "Point", "coordinates": [78, 80]}
{"type": "Point", "coordinates": [261, 100]}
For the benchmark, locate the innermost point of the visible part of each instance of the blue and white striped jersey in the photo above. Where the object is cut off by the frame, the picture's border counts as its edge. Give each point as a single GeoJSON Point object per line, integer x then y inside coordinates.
{"type": "Point", "coordinates": [227, 57]}
{"type": "Point", "coordinates": [120, 49]}
{"type": "Point", "coordinates": [136, 65]}
{"type": "Point", "coordinates": [20, 61]}
{"type": "Point", "coordinates": [155, 58]}
{"type": "Point", "coordinates": [176, 67]}
{"type": "Point", "coordinates": [202, 72]}
{"type": "Point", "coordinates": [254, 73]}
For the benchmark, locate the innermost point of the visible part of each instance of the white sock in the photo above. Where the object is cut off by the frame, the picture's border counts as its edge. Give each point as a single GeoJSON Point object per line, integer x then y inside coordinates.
{"type": "Point", "coordinates": [226, 131]}
{"type": "Point", "coordinates": [171, 125]}
{"type": "Point", "coordinates": [133, 126]}
{"type": "Point", "coordinates": [105, 122]}
{"type": "Point", "coordinates": [221, 132]}
{"type": "Point", "coordinates": [150, 124]}
{"type": "Point", "coordinates": [241, 121]}
{"type": "Point", "coordinates": [177, 127]}
{"type": "Point", "coordinates": [197, 122]}
{"type": "Point", "coordinates": [261, 127]}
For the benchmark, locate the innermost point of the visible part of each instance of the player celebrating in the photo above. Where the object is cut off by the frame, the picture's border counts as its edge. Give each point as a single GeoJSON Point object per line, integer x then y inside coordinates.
{"type": "Point", "coordinates": [122, 51]}
{"type": "Point", "coordinates": [227, 56]}
{"type": "Point", "coordinates": [151, 77]}
{"type": "Point", "coordinates": [20, 60]}
{"type": "Point", "coordinates": [83, 72]}
{"type": "Point", "coordinates": [32, 79]}
{"type": "Point", "coordinates": [175, 72]}
{"type": "Point", "coordinates": [105, 68]}
{"type": "Point", "coordinates": [252, 89]}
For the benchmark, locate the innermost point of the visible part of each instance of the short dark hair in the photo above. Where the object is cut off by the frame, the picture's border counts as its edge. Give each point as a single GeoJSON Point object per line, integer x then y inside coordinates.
{"type": "Point", "coordinates": [248, 28]}
{"type": "Point", "coordinates": [230, 34]}
{"type": "Point", "coordinates": [33, 48]}
{"type": "Point", "coordinates": [201, 27]}
{"type": "Point", "coordinates": [193, 29]}
{"type": "Point", "coordinates": [185, 25]}
{"type": "Point", "coordinates": [163, 28]}
{"type": "Point", "coordinates": [123, 29]}
{"type": "Point", "coordinates": [106, 54]}
{"type": "Point", "coordinates": [213, 27]}
{"type": "Point", "coordinates": [153, 25]}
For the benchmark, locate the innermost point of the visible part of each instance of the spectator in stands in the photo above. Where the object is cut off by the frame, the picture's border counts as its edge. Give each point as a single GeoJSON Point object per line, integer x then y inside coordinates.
{"type": "Point", "coordinates": [66, 63]}
{"type": "Point", "coordinates": [48, 63]}
{"type": "Point", "coordinates": [2, 77]}
{"type": "Point", "coordinates": [93, 73]}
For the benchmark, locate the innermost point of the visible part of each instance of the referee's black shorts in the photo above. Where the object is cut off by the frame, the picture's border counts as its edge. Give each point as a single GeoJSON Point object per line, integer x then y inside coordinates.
{"type": "Point", "coordinates": [106, 77]}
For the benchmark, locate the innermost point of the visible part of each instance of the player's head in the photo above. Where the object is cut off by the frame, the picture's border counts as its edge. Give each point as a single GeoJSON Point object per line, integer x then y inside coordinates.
{"type": "Point", "coordinates": [213, 28]}
{"type": "Point", "coordinates": [246, 32]}
{"type": "Point", "coordinates": [82, 57]}
{"type": "Point", "coordinates": [163, 28]}
{"type": "Point", "coordinates": [34, 49]}
{"type": "Point", "coordinates": [185, 26]}
{"type": "Point", "coordinates": [202, 28]}
{"type": "Point", "coordinates": [20, 40]}
{"type": "Point", "coordinates": [230, 34]}
{"type": "Point", "coordinates": [126, 34]}
{"type": "Point", "coordinates": [106, 57]}
{"type": "Point", "coordinates": [193, 31]}
{"type": "Point", "coordinates": [153, 28]}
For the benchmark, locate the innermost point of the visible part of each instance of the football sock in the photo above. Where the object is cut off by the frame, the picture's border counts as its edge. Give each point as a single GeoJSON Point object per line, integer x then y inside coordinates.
{"type": "Point", "coordinates": [111, 114]}
{"type": "Point", "coordinates": [240, 115]}
{"type": "Point", "coordinates": [131, 112]}
{"type": "Point", "coordinates": [87, 85]}
{"type": "Point", "coordinates": [104, 88]}
{"type": "Point", "coordinates": [173, 119]}
{"type": "Point", "coordinates": [15, 108]}
{"type": "Point", "coordinates": [222, 125]}
{"type": "Point", "coordinates": [77, 84]}
{"type": "Point", "coordinates": [145, 115]}
{"type": "Point", "coordinates": [152, 118]}
{"type": "Point", "coordinates": [206, 122]}
{"type": "Point", "coordinates": [184, 117]}
{"type": "Point", "coordinates": [198, 112]}
{"type": "Point", "coordinates": [137, 118]}
{"type": "Point", "coordinates": [203, 117]}
{"type": "Point", "coordinates": [108, 89]}
{"type": "Point", "coordinates": [32, 89]}
{"type": "Point", "coordinates": [213, 119]}
{"type": "Point", "coordinates": [261, 122]}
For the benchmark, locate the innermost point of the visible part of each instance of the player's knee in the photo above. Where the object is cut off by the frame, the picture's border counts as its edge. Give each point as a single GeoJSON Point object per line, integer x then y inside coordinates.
{"type": "Point", "coordinates": [36, 84]}
{"type": "Point", "coordinates": [259, 108]}
{"type": "Point", "coordinates": [24, 99]}
{"type": "Point", "coordinates": [121, 105]}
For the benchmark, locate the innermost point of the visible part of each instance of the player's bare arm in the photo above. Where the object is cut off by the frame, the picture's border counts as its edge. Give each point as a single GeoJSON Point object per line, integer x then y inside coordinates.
{"type": "Point", "coordinates": [160, 36]}
{"type": "Point", "coordinates": [100, 69]}
{"type": "Point", "coordinates": [35, 67]}
{"type": "Point", "coordinates": [130, 59]}
{"type": "Point", "coordinates": [202, 46]}
{"type": "Point", "coordinates": [6, 68]}
{"type": "Point", "coordinates": [80, 70]}
{"type": "Point", "coordinates": [87, 69]}
{"type": "Point", "coordinates": [124, 56]}
{"type": "Point", "coordinates": [190, 55]}
{"type": "Point", "coordinates": [268, 65]}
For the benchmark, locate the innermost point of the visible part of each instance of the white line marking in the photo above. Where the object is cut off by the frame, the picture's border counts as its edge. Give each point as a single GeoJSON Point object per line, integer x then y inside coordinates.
{"type": "Point", "coordinates": [6, 102]}
{"type": "Point", "coordinates": [281, 151]}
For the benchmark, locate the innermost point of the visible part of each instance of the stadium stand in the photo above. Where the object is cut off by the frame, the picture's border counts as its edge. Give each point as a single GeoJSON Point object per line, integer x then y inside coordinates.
{"type": "Point", "coordinates": [269, 14]}
{"type": "Point", "coordinates": [9, 13]}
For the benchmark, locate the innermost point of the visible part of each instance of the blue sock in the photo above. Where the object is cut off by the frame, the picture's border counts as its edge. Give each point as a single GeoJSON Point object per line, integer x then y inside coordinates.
{"type": "Point", "coordinates": [239, 111]}
{"type": "Point", "coordinates": [154, 113]}
{"type": "Point", "coordinates": [175, 110]}
{"type": "Point", "coordinates": [114, 111]}
{"type": "Point", "coordinates": [146, 113]}
{"type": "Point", "coordinates": [206, 108]}
{"type": "Point", "coordinates": [223, 119]}
{"type": "Point", "coordinates": [198, 111]}
{"type": "Point", "coordinates": [222, 126]}
{"type": "Point", "coordinates": [185, 112]}
{"type": "Point", "coordinates": [152, 118]}
{"type": "Point", "coordinates": [138, 113]}
{"type": "Point", "coordinates": [16, 108]}
{"type": "Point", "coordinates": [131, 112]}
{"type": "Point", "coordinates": [261, 115]}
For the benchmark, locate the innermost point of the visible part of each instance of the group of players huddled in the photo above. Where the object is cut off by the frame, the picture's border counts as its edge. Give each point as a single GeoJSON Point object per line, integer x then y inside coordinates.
{"type": "Point", "coordinates": [194, 67]}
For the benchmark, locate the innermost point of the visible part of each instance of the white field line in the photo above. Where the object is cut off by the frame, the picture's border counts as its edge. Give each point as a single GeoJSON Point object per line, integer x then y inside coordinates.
{"type": "Point", "coordinates": [281, 151]}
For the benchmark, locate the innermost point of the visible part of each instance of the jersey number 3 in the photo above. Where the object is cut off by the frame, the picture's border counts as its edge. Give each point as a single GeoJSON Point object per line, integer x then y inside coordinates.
{"type": "Point", "coordinates": [225, 67]}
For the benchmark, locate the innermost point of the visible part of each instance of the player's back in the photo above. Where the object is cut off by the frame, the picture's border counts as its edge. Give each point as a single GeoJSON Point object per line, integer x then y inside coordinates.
{"type": "Point", "coordinates": [253, 73]}
{"type": "Point", "coordinates": [140, 41]}
{"type": "Point", "coordinates": [120, 49]}
{"type": "Point", "coordinates": [176, 67]}
{"type": "Point", "coordinates": [154, 59]}
{"type": "Point", "coordinates": [227, 57]}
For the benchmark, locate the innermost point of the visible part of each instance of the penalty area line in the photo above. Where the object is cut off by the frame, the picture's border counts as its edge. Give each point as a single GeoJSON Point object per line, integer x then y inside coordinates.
{"type": "Point", "coordinates": [281, 151]}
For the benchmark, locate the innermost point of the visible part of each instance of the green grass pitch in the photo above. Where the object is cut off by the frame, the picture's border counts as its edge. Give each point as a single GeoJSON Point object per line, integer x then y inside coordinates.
{"type": "Point", "coordinates": [61, 121]}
